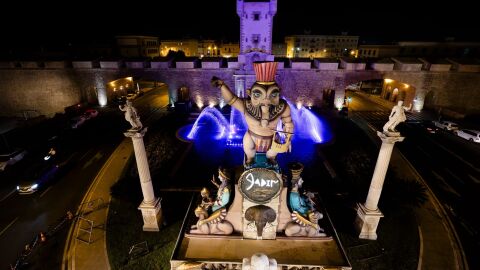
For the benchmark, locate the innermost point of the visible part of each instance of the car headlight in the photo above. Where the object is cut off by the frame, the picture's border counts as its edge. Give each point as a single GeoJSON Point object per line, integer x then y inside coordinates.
{"type": "Point", "coordinates": [18, 187]}
{"type": "Point", "coordinates": [35, 186]}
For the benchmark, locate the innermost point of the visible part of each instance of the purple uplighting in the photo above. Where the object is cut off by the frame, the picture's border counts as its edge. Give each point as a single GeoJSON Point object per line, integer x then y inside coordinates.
{"type": "Point", "coordinates": [238, 126]}
{"type": "Point", "coordinates": [308, 126]}
{"type": "Point", "coordinates": [214, 115]}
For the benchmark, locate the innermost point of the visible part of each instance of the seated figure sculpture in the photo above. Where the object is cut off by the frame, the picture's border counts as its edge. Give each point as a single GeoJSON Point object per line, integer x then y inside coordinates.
{"type": "Point", "coordinates": [300, 203]}
{"type": "Point", "coordinates": [223, 193]}
{"type": "Point", "coordinates": [263, 109]}
{"type": "Point", "coordinates": [304, 215]}
{"type": "Point", "coordinates": [211, 224]}
{"type": "Point", "coordinates": [300, 226]}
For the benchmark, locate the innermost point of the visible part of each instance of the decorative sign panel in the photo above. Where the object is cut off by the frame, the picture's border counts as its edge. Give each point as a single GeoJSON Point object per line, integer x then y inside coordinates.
{"type": "Point", "coordinates": [260, 185]}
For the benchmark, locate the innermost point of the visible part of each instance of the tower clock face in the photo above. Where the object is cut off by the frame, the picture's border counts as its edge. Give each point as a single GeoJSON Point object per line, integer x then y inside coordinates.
{"type": "Point", "coordinates": [260, 185]}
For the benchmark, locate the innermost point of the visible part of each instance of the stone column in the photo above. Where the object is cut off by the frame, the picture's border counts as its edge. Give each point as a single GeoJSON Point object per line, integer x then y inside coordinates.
{"type": "Point", "coordinates": [368, 214]}
{"type": "Point", "coordinates": [151, 207]}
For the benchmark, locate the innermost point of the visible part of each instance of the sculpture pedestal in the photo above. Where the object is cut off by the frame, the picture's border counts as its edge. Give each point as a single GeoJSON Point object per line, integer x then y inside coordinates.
{"type": "Point", "coordinates": [367, 221]}
{"type": "Point", "coordinates": [152, 215]}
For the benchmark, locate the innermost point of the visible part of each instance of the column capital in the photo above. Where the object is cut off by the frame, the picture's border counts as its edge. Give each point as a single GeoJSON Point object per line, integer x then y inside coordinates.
{"type": "Point", "coordinates": [390, 137]}
{"type": "Point", "coordinates": [136, 133]}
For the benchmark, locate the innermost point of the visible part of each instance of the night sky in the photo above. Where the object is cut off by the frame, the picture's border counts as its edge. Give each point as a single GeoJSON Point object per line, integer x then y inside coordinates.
{"type": "Point", "coordinates": [95, 21]}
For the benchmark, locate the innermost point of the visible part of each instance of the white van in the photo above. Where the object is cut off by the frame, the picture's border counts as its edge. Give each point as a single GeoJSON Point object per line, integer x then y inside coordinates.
{"type": "Point", "coordinates": [469, 134]}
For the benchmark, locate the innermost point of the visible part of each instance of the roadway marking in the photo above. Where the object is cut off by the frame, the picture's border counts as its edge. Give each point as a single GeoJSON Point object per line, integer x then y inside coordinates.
{"type": "Point", "coordinates": [43, 193]}
{"type": "Point", "coordinates": [420, 255]}
{"type": "Point", "coordinates": [97, 156]}
{"type": "Point", "coordinates": [84, 155]}
{"type": "Point", "coordinates": [8, 195]}
{"type": "Point", "coordinates": [8, 226]}
{"type": "Point", "coordinates": [424, 152]}
{"type": "Point", "coordinates": [454, 176]}
{"type": "Point", "coordinates": [474, 179]}
{"type": "Point", "coordinates": [450, 188]}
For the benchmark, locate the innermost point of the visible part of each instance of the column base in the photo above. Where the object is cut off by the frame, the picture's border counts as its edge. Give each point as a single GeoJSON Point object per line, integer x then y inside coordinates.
{"type": "Point", "coordinates": [366, 222]}
{"type": "Point", "coordinates": [152, 215]}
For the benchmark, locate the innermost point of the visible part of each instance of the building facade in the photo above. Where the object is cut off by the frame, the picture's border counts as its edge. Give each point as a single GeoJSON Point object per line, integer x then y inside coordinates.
{"type": "Point", "coordinates": [279, 49]}
{"type": "Point", "coordinates": [188, 46]}
{"type": "Point", "coordinates": [208, 48]}
{"type": "Point", "coordinates": [228, 50]}
{"type": "Point", "coordinates": [421, 49]}
{"type": "Point", "coordinates": [378, 51]}
{"type": "Point", "coordinates": [137, 46]}
{"type": "Point", "coordinates": [320, 46]}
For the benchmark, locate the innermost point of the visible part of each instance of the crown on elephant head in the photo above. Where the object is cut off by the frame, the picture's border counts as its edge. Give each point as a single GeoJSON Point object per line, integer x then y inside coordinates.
{"type": "Point", "coordinates": [265, 72]}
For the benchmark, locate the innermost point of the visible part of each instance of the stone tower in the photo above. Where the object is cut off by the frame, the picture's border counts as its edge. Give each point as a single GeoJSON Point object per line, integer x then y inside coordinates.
{"type": "Point", "coordinates": [256, 23]}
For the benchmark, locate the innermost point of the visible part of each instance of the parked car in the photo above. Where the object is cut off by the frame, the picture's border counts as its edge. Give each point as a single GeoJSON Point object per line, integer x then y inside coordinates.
{"type": "Point", "coordinates": [120, 100]}
{"type": "Point", "coordinates": [469, 134]}
{"type": "Point", "coordinates": [11, 158]}
{"type": "Point", "coordinates": [429, 127]}
{"type": "Point", "coordinates": [77, 121]}
{"type": "Point", "coordinates": [90, 113]}
{"type": "Point", "coordinates": [446, 125]}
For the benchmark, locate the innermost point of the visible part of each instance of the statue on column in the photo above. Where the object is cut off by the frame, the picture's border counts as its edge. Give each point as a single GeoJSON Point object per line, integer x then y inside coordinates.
{"type": "Point", "coordinates": [396, 117]}
{"type": "Point", "coordinates": [131, 115]}
{"type": "Point", "coordinates": [262, 109]}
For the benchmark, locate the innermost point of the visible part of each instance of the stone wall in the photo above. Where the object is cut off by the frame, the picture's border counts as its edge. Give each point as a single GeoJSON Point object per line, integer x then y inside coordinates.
{"type": "Point", "coordinates": [50, 90]}
{"type": "Point", "coordinates": [459, 91]}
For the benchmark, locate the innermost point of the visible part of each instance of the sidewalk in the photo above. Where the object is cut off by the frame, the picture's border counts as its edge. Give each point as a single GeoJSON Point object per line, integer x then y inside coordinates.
{"type": "Point", "coordinates": [94, 207]}
{"type": "Point", "coordinates": [440, 247]}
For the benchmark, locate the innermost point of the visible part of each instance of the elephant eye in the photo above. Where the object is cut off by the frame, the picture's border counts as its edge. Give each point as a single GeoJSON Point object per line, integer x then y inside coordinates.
{"type": "Point", "coordinates": [256, 93]}
{"type": "Point", "coordinates": [275, 93]}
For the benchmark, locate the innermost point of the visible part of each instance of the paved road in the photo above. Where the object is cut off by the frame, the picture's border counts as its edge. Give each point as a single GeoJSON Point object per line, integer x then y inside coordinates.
{"type": "Point", "coordinates": [451, 169]}
{"type": "Point", "coordinates": [23, 217]}
{"type": "Point", "coordinates": [449, 164]}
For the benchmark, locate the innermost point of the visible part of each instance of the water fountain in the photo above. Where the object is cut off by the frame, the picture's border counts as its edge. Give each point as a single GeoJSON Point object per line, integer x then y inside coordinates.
{"type": "Point", "coordinates": [309, 126]}
{"type": "Point", "coordinates": [257, 208]}
{"type": "Point", "coordinates": [210, 114]}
